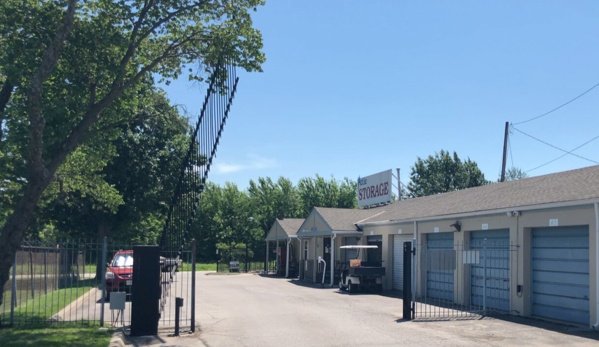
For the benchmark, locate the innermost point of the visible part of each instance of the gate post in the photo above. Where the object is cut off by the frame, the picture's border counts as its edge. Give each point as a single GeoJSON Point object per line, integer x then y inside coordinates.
{"type": "Point", "coordinates": [103, 279]}
{"type": "Point", "coordinates": [193, 285]}
{"type": "Point", "coordinates": [407, 280]}
{"type": "Point", "coordinates": [145, 291]}
{"type": "Point", "coordinates": [13, 294]}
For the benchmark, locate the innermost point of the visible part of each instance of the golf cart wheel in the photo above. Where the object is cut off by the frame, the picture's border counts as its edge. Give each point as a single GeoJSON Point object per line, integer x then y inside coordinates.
{"type": "Point", "coordinates": [352, 287]}
{"type": "Point", "coordinates": [341, 287]}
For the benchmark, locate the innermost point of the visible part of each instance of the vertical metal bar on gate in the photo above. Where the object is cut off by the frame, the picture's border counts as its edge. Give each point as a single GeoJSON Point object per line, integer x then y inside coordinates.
{"type": "Point", "coordinates": [13, 296]}
{"type": "Point", "coordinates": [485, 276]}
{"type": "Point", "coordinates": [414, 286]}
{"type": "Point", "coordinates": [103, 279]}
{"type": "Point", "coordinates": [193, 285]}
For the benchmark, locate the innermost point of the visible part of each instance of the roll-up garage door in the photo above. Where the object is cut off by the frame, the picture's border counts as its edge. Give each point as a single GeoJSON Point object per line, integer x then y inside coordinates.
{"type": "Point", "coordinates": [440, 265]}
{"type": "Point", "coordinates": [398, 241]}
{"type": "Point", "coordinates": [495, 252]}
{"type": "Point", "coordinates": [560, 273]}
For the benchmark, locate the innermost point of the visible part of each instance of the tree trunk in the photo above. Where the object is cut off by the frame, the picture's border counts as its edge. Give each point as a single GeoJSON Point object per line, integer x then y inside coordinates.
{"type": "Point", "coordinates": [12, 232]}
{"type": "Point", "coordinates": [104, 230]}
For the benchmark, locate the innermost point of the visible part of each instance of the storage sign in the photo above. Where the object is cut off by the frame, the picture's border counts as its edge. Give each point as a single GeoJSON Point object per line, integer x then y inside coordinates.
{"type": "Point", "coordinates": [375, 189]}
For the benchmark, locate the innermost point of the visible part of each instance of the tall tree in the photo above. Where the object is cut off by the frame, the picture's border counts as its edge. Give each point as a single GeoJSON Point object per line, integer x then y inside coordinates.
{"type": "Point", "coordinates": [443, 173]}
{"type": "Point", "coordinates": [105, 49]}
{"type": "Point", "coordinates": [322, 193]}
{"type": "Point", "coordinates": [514, 173]}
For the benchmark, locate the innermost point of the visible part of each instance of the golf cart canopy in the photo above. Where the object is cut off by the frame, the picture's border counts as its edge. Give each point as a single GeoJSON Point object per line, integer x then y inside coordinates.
{"type": "Point", "coordinates": [359, 247]}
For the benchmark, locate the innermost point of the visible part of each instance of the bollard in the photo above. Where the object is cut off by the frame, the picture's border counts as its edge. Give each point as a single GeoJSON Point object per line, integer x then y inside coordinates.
{"type": "Point", "coordinates": [178, 305]}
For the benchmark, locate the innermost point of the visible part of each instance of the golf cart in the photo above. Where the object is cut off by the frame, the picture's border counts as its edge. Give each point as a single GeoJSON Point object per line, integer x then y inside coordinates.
{"type": "Point", "coordinates": [361, 275]}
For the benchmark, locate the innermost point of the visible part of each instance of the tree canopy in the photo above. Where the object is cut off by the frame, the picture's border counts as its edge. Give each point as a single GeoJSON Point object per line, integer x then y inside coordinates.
{"type": "Point", "coordinates": [443, 172]}
{"type": "Point", "coordinates": [72, 71]}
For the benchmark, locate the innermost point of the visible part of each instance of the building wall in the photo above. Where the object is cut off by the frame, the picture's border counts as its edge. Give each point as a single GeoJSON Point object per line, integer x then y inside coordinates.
{"type": "Point", "coordinates": [520, 237]}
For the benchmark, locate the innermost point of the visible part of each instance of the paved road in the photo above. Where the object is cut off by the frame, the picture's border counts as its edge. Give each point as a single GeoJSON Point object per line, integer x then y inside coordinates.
{"type": "Point", "coordinates": [251, 310]}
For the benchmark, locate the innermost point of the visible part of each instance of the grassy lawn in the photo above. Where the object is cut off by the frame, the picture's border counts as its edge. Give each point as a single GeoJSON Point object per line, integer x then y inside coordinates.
{"type": "Point", "coordinates": [55, 336]}
{"type": "Point", "coordinates": [37, 310]}
{"type": "Point", "coordinates": [199, 267]}
{"type": "Point", "coordinates": [51, 269]}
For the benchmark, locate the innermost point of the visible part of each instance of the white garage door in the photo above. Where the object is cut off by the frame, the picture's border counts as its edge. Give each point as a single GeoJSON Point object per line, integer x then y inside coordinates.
{"type": "Point", "coordinates": [398, 241]}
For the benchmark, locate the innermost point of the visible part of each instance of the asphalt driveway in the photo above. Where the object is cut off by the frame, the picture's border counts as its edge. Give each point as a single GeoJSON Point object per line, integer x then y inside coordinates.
{"type": "Point", "coordinates": [253, 310]}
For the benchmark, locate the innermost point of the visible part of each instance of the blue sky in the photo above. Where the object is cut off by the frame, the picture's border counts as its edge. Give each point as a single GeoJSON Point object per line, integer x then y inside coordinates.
{"type": "Point", "coordinates": [352, 88]}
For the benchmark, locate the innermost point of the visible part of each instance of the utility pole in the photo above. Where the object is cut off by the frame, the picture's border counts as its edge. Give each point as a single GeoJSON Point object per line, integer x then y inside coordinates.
{"type": "Point", "coordinates": [398, 186]}
{"type": "Point", "coordinates": [507, 129]}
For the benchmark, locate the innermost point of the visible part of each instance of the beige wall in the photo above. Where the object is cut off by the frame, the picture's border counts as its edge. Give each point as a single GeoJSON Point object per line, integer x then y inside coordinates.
{"type": "Point", "coordinates": [520, 237]}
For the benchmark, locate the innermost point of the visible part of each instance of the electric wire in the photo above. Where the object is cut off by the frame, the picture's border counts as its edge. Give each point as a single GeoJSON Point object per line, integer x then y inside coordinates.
{"type": "Point", "coordinates": [570, 152]}
{"type": "Point", "coordinates": [557, 108]}
{"type": "Point", "coordinates": [563, 150]}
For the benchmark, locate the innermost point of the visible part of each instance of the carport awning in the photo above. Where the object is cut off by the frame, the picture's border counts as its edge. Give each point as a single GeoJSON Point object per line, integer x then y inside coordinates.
{"type": "Point", "coordinates": [320, 233]}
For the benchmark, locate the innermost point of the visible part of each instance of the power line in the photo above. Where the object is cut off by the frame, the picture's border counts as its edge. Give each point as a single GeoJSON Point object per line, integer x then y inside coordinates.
{"type": "Point", "coordinates": [563, 150]}
{"type": "Point", "coordinates": [557, 108]}
{"type": "Point", "coordinates": [570, 152]}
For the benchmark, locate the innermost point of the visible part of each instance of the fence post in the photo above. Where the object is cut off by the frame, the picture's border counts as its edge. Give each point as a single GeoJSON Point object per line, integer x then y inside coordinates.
{"type": "Point", "coordinates": [103, 279]}
{"type": "Point", "coordinates": [13, 296]}
{"type": "Point", "coordinates": [414, 284]}
{"type": "Point", "coordinates": [407, 280]}
{"type": "Point", "coordinates": [193, 285]}
{"type": "Point", "coordinates": [485, 277]}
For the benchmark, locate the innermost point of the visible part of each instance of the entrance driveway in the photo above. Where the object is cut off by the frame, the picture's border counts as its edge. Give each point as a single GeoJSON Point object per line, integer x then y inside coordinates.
{"type": "Point", "coordinates": [252, 310]}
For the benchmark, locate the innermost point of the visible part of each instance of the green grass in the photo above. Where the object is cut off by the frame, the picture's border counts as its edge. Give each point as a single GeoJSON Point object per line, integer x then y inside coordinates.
{"type": "Point", "coordinates": [36, 311]}
{"type": "Point", "coordinates": [199, 267]}
{"type": "Point", "coordinates": [57, 336]}
{"type": "Point", "coordinates": [51, 269]}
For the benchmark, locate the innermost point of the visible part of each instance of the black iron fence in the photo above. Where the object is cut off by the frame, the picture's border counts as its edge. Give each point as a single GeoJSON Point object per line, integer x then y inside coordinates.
{"type": "Point", "coordinates": [52, 282]}
{"type": "Point", "coordinates": [461, 280]}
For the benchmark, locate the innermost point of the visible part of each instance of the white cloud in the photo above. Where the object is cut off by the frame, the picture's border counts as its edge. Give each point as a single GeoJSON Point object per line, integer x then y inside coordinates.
{"type": "Point", "coordinates": [252, 162]}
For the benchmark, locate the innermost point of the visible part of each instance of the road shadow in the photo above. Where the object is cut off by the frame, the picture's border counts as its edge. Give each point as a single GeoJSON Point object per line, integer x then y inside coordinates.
{"type": "Point", "coordinates": [559, 327]}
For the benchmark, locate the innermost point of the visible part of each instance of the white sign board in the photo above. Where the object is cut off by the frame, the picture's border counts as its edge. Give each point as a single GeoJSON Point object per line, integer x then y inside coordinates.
{"type": "Point", "coordinates": [375, 189]}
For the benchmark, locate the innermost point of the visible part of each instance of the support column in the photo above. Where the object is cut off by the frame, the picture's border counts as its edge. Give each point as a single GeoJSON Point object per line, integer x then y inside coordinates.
{"type": "Point", "coordinates": [332, 265]}
{"type": "Point", "coordinates": [287, 262]}
{"type": "Point", "coordinates": [277, 261]}
{"type": "Point", "coordinates": [266, 263]}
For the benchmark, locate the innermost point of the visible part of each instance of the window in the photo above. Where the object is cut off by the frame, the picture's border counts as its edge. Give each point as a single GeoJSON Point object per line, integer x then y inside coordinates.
{"type": "Point", "coordinates": [123, 260]}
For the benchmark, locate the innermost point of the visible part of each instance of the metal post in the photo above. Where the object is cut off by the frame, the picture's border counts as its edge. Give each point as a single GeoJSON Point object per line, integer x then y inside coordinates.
{"type": "Point", "coordinates": [414, 286]}
{"type": "Point", "coordinates": [246, 257]}
{"type": "Point", "coordinates": [407, 280]}
{"type": "Point", "coordinates": [103, 279]}
{"type": "Point", "coordinates": [178, 305]}
{"type": "Point", "coordinates": [13, 296]}
{"type": "Point", "coordinates": [485, 276]}
{"type": "Point", "coordinates": [266, 259]}
{"type": "Point", "coordinates": [398, 186]}
{"type": "Point", "coordinates": [193, 285]}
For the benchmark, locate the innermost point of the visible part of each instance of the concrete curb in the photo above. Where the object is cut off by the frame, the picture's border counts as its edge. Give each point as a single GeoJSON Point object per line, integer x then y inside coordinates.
{"type": "Point", "coordinates": [117, 339]}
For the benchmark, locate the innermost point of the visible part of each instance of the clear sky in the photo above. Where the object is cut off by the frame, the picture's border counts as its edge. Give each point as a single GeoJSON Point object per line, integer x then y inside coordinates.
{"type": "Point", "coordinates": [351, 88]}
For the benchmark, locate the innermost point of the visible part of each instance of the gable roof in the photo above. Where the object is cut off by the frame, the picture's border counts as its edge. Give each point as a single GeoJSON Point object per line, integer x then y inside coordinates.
{"type": "Point", "coordinates": [567, 186]}
{"type": "Point", "coordinates": [282, 229]}
{"type": "Point", "coordinates": [345, 219]}
{"type": "Point", "coordinates": [291, 225]}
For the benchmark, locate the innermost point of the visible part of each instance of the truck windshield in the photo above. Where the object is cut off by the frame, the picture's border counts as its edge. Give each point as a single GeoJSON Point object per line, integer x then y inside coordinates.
{"type": "Point", "coordinates": [123, 260]}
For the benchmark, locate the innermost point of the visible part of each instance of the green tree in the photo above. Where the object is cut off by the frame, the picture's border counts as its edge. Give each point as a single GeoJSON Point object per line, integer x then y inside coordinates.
{"type": "Point", "coordinates": [513, 174]}
{"type": "Point", "coordinates": [322, 193]}
{"type": "Point", "coordinates": [68, 65]}
{"type": "Point", "coordinates": [443, 173]}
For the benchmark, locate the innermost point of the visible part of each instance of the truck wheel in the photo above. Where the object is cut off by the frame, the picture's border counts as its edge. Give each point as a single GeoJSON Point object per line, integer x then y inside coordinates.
{"type": "Point", "coordinates": [352, 287]}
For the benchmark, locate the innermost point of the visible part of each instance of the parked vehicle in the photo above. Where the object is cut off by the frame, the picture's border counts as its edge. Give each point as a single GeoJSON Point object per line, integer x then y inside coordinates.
{"type": "Point", "coordinates": [119, 276]}
{"type": "Point", "coordinates": [361, 275]}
